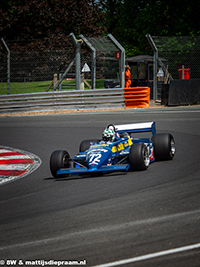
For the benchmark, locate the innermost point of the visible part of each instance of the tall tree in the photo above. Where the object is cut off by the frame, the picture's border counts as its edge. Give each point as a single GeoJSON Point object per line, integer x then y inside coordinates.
{"type": "Point", "coordinates": [39, 19]}
{"type": "Point", "coordinates": [112, 14]}
{"type": "Point", "coordinates": [132, 20]}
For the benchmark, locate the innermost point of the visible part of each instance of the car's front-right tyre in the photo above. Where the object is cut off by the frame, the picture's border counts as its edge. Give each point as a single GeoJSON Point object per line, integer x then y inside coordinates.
{"type": "Point", "coordinates": [164, 146]}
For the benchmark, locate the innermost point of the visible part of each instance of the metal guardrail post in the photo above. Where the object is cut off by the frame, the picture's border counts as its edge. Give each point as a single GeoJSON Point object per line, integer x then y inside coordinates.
{"type": "Point", "coordinates": [63, 76]}
{"type": "Point", "coordinates": [122, 60]}
{"type": "Point", "coordinates": [93, 71]}
{"type": "Point", "coordinates": [78, 62]}
{"type": "Point", "coordinates": [8, 66]}
{"type": "Point", "coordinates": [155, 57]}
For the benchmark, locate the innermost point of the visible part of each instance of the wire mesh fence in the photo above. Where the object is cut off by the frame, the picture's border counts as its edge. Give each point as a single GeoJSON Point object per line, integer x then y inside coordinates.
{"type": "Point", "coordinates": [39, 71]}
{"type": "Point", "coordinates": [32, 71]}
{"type": "Point", "coordinates": [106, 57]}
{"type": "Point", "coordinates": [180, 58]}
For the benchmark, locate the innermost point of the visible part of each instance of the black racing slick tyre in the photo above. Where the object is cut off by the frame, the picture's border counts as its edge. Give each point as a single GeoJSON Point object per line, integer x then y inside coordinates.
{"type": "Point", "coordinates": [164, 146]}
{"type": "Point", "coordinates": [85, 144]}
{"type": "Point", "coordinates": [139, 157]}
{"type": "Point", "coordinates": [59, 159]}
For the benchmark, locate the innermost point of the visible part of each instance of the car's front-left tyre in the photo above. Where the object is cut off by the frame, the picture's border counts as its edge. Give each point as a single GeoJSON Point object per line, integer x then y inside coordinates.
{"type": "Point", "coordinates": [85, 144]}
{"type": "Point", "coordinates": [59, 159]}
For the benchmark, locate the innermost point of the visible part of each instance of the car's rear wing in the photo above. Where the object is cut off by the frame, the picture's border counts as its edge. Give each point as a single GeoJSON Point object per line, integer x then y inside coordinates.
{"type": "Point", "coordinates": [136, 127]}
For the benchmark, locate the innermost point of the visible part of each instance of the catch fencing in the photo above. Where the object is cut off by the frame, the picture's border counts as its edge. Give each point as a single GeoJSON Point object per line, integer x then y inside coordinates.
{"type": "Point", "coordinates": [179, 51]}
{"type": "Point", "coordinates": [26, 71]}
{"type": "Point", "coordinates": [171, 55]}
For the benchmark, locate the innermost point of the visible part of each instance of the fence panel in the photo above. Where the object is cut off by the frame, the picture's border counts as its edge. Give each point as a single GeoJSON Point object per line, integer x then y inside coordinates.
{"type": "Point", "coordinates": [33, 71]}
{"type": "Point", "coordinates": [175, 52]}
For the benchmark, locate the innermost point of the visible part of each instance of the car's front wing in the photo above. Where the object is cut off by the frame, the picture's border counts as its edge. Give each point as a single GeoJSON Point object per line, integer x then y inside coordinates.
{"type": "Point", "coordinates": [103, 169]}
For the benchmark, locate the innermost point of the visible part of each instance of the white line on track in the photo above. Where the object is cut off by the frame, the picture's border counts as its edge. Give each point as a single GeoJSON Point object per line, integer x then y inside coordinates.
{"type": "Point", "coordinates": [150, 256]}
{"type": "Point", "coordinates": [195, 214]}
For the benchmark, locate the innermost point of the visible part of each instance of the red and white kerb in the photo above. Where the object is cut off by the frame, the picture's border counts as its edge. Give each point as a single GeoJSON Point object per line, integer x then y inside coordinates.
{"type": "Point", "coordinates": [16, 163]}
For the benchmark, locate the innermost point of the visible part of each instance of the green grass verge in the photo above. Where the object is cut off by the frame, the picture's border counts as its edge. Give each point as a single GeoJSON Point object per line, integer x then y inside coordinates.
{"type": "Point", "coordinates": [34, 87]}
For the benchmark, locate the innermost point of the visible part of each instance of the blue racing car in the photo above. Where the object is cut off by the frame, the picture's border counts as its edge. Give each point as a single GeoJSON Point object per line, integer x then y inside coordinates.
{"type": "Point", "coordinates": [118, 150]}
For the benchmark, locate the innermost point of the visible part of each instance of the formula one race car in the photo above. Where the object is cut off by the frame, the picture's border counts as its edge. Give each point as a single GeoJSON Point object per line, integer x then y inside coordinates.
{"type": "Point", "coordinates": [116, 151]}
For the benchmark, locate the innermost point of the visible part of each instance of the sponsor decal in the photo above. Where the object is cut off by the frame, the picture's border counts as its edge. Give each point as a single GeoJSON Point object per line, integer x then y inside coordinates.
{"type": "Point", "coordinates": [15, 164]}
{"type": "Point", "coordinates": [98, 150]}
{"type": "Point", "coordinates": [151, 151]}
{"type": "Point", "coordinates": [101, 145]}
{"type": "Point", "coordinates": [114, 149]}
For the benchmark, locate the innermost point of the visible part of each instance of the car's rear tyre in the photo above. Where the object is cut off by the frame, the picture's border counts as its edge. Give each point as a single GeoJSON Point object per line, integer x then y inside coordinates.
{"type": "Point", "coordinates": [85, 144]}
{"type": "Point", "coordinates": [164, 146]}
{"type": "Point", "coordinates": [59, 159]}
{"type": "Point", "coordinates": [139, 157]}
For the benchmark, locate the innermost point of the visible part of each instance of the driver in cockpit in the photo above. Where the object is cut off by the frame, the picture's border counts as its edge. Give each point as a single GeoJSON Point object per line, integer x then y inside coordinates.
{"type": "Point", "coordinates": [110, 135]}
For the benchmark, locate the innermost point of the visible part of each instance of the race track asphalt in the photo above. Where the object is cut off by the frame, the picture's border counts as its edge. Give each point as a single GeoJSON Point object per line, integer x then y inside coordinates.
{"type": "Point", "coordinates": [108, 218]}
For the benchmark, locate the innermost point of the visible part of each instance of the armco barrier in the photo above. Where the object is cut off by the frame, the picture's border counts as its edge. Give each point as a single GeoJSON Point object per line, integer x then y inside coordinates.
{"type": "Point", "coordinates": [70, 99]}
{"type": "Point", "coordinates": [138, 97]}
